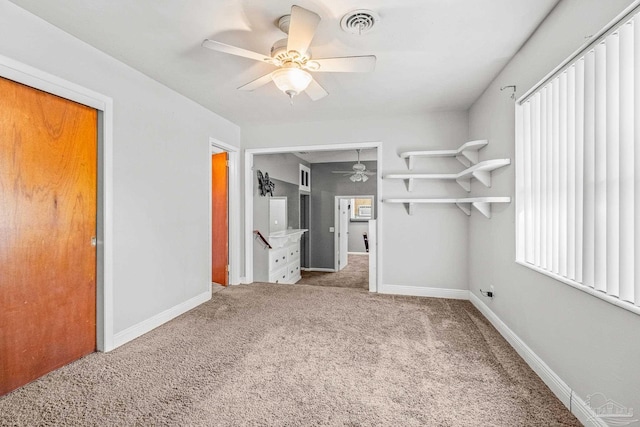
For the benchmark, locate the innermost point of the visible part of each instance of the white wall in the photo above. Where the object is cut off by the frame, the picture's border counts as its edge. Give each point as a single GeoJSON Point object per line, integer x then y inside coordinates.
{"type": "Point", "coordinates": [592, 345]}
{"type": "Point", "coordinates": [428, 249]}
{"type": "Point", "coordinates": [161, 167]}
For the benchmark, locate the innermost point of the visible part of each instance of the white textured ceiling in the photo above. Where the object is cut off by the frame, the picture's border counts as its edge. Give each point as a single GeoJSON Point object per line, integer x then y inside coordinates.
{"type": "Point", "coordinates": [432, 54]}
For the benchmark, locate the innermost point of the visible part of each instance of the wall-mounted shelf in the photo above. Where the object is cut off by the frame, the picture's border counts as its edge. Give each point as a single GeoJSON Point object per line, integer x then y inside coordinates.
{"type": "Point", "coordinates": [482, 204]}
{"type": "Point", "coordinates": [481, 172]}
{"type": "Point", "coordinates": [467, 154]}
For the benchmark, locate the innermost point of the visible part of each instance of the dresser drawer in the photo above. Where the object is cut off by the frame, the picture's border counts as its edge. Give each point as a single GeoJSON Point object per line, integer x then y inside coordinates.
{"type": "Point", "coordinates": [293, 270]}
{"type": "Point", "coordinates": [279, 276]}
{"type": "Point", "coordinates": [277, 258]}
{"type": "Point", "coordinates": [293, 252]}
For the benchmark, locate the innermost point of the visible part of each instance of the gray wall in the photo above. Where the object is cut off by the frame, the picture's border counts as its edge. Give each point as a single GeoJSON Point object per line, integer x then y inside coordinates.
{"type": "Point", "coordinates": [429, 248]}
{"type": "Point", "coordinates": [160, 167]}
{"type": "Point", "coordinates": [282, 166]}
{"type": "Point", "coordinates": [325, 186]}
{"type": "Point", "coordinates": [592, 345]}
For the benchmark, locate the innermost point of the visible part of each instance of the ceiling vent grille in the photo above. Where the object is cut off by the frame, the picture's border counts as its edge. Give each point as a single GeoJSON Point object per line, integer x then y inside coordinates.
{"type": "Point", "coordinates": [359, 21]}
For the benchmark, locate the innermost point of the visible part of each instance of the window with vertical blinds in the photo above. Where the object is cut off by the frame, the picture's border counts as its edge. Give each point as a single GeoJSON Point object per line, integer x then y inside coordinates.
{"type": "Point", "coordinates": [578, 169]}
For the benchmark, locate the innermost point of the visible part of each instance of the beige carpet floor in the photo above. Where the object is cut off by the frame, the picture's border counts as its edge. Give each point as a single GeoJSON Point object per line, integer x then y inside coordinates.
{"type": "Point", "coordinates": [284, 355]}
{"type": "Point", "coordinates": [354, 275]}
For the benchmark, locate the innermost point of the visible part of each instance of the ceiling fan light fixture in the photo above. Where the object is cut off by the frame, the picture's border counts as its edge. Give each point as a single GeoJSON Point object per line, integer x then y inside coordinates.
{"type": "Point", "coordinates": [354, 178]}
{"type": "Point", "coordinates": [292, 80]}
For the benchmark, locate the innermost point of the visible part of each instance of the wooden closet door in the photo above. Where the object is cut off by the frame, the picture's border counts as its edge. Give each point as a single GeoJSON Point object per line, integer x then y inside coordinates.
{"type": "Point", "coordinates": [219, 219]}
{"type": "Point", "coordinates": [48, 150]}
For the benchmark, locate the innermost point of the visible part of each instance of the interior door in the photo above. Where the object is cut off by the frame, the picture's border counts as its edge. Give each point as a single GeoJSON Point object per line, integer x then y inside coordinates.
{"type": "Point", "coordinates": [219, 219]}
{"type": "Point", "coordinates": [48, 154]}
{"type": "Point", "coordinates": [343, 234]}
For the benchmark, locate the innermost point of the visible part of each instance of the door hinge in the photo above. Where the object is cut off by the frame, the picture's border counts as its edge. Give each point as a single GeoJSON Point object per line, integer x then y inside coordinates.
{"type": "Point", "coordinates": [94, 241]}
{"type": "Point", "coordinates": [227, 163]}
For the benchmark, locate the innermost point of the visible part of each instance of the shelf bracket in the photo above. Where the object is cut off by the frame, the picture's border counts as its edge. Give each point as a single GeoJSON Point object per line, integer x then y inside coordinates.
{"type": "Point", "coordinates": [409, 161]}
{"type": "Point", "coordinates": [409, 183]}
{"type": "Point", "coordinates": [484, 177]}
{"type": "Point", "coordinates": [483, 207]}
{"type": "Point", "coordinates": [465, 207]}
{"type": "Point", "coordinates": [464, 183]}
{"type": "Point", "coordinates": [464, 160]}
{"type": "Point", "coordinates": [409, 208]}
{"type": "Point", "coordinates": [470, 156]}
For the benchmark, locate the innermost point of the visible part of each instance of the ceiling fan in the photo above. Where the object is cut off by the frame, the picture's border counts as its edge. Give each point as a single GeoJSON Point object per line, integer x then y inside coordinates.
{"type": "Point", "coordinates": [292, 57]}
{"type": "Point", "coordinates": [359, 172]}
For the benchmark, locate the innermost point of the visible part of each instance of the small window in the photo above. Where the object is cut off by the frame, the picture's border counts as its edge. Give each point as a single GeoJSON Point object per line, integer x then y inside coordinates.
{"type": "Point", "coordinates": [361, 209]}
{"type": "Point", "coordinates": [305, 178]}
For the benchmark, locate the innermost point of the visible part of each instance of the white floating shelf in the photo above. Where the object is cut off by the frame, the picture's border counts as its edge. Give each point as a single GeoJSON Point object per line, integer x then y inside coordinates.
{"type": "Point", "coordinates": [481, 172]}
{"type": "Point", "coordinates": [467, 154]}
{"type": "Point", "coordinates": [482, 204]}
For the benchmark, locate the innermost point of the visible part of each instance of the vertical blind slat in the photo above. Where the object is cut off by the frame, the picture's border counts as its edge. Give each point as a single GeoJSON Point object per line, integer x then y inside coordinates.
{"type": "Point", "coordinates": [589, 180]}
{"type": "Point", "coordinates": [562, 174]}
{"type": "Point", "coordinates": [528, 182]}
{"type": "Point", "coordinates": [600, 243]}
{"type": "Point", "coordinates": [549, 190]}
{"type": "Point", "coordinates": [612, 177]}
{"type": "Point", "coordinates": [636, 138]}
{"type": "Point", "coordinates": [544, 253]}
{"type": "Point", "coordinates": [579, 175]}
{"type": "Point", "coordinates": [555, 177]}
{"type": "Point", "coordinates": [520, 190]}
{"type": "Point", "coordinates": [569, 219]}
{"type": "Point", "coordinates": [626, 110]}
{"type": "Point", "coordinates": [535, 109]}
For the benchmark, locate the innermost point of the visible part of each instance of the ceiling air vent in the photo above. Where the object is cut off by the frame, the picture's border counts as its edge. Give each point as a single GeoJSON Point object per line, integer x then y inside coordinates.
{"type": "Point", "coordinates": [359, 21]}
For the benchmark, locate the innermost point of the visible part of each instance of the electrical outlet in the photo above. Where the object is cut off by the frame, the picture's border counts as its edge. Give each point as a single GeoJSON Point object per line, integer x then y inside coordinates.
{"type": "Point", "coordinates": [332, 230]}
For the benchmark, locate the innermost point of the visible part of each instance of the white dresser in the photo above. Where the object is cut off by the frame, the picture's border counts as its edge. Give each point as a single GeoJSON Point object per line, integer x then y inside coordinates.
{"type": "Point", "coordinates": [284, 263]}
{"type": "Point", "coordinates": [284, 256]}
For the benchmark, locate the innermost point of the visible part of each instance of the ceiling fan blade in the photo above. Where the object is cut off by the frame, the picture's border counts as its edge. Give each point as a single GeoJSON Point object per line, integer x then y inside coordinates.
{"type": "Point", "coordinates": [233, 50]}
{"type": "Point", "coordinates": [260, 81]}
{"type": "Point", "coordinates": [347, 64]}
{"type": "Point", "coordinates": [302, 27]}
{"type": "Point", "coordinates": [315, 91]}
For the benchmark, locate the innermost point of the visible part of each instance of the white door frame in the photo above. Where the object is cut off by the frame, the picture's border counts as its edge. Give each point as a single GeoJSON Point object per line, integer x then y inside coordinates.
{"type": "Point", "coordinates": [233, 193]}
{"type": "Point", "coordinates": [30, 76]}
{"type": "Point", "coordinates": [248, 196]}
{"type": "Point", "coordinates": [337, 219]}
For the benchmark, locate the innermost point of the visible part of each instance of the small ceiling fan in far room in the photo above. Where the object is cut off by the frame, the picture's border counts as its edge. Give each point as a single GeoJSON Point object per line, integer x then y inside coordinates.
{"type": "Point", "coordinates": [359, 172]}
{"type": "Point", "coordinates": [293, 58]}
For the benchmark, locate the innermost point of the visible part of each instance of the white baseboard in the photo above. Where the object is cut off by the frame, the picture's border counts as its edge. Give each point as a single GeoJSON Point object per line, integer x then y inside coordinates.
{"type": "Point", "coordinates": [145, 326]}
{"type": "Point", "coordinates": [325, 270]}
{"type": "Point", "coordinates": [417, 291]}
{"type": "Point", "coordinates": [358, 253]}
{"type": "Point", "coordinates": [562, 391]}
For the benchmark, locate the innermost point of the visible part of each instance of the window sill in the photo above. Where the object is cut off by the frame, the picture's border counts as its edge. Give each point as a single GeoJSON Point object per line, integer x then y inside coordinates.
{"type": "Point", "coordinates": [598, 294]}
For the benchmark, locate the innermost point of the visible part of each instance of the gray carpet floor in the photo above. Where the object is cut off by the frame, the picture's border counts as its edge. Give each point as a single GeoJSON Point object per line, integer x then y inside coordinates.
{"type": "Point", "coordinates": [354, 275]}
{"type": "Point", "coordinates": [285, 355]}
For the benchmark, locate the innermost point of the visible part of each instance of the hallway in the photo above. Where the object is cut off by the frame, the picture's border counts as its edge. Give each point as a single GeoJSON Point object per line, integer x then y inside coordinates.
{"type": "Point", "coordinates": [354, 275]}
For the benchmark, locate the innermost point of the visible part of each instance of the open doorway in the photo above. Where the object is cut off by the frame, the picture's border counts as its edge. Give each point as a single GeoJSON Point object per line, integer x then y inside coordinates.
{"type": "Point", "coordinates": [327, 165]}
{"type": "Point", "coordinates": [305, 223]}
